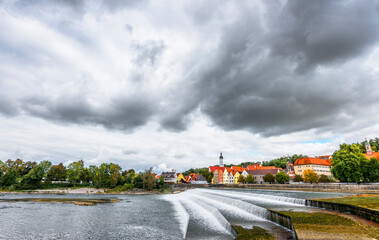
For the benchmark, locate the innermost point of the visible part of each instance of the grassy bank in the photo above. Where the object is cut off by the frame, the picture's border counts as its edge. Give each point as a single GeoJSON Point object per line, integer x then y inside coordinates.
{"type": "Point", "coordinates": [322, 225]}
{"type": "Point", "coordinates": [255, 233]}
{"type": "Point", "coordinates": [76, 201]}
{"type": "Point", "coordinates": [370, 201]}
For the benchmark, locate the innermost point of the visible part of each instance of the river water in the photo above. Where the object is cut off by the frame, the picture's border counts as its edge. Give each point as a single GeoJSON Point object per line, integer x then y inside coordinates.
{"type": "Point", "coordinates": [194, 214]}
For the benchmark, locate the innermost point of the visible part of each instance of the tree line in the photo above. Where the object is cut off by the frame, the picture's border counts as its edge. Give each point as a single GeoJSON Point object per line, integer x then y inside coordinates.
{"type": "Point", "coordinates": [19, 174]}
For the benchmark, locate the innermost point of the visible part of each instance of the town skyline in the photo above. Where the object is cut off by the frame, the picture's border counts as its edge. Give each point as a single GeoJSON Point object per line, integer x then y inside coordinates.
{"type": "Point", "coordinates": [150, 84]}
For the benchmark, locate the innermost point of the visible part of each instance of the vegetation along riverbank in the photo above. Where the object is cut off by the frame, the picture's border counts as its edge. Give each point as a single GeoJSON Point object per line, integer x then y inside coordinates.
{"type": "Point", "coordinates": [76, 201]}
{"type": "Point", "coordinates": [329, 225]}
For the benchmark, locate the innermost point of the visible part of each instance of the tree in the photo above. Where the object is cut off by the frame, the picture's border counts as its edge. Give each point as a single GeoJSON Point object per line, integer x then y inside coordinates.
{"type": "Point", "coordinates": [269, 178]}
{"type": "Point", "coordinates": [114, 174]}
{"type": "Point", "coordinates": [161, 183]}
{"type": "Point", "coordinates": [45, 166]}
{"type": "Point", "coordinates": [346, 163]}
{"type": "Point", "coordinates": [298, 178]}
{"type": "Point", "coordinates": [9, 178]}
{"type": "Point", "coordinates": [281, 177]}
{"type": "Point", "coordinates": [369, 169]}
{"type": "Point", "coordinates": [241, 179]}
{"type": "Point", "coordinates": [249, 178]}
{"type": "Point", "coordinates": [323, 178]}
{"type": "Point", "coordinates": [33, 178]}
{"type": "Point", "coordinates": [310, 176]}
{"type": "Point", "coordinates": [56, 173]}
{"type": "Point", "coordinates": [209, 178]}
{"type": "Point", "coordinates": [148, 180]}
{"type": "Point", "coordinates": [74, 171]}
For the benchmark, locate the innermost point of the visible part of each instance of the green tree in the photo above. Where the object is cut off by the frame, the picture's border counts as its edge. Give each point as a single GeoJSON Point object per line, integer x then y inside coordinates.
{"type": "Point", "coordinates": [114, 174]}
{"type": "Point", "coordinates": [298, 178]}
{"type": "Point", "coordinates": [369, 169]}
{"type": "Point", "coordinates": [148, 180]}
{"type": "Point", "coordinates": [281, 177]}
{"type": "Point", "coordinates": [74, 171]}
{"type": "Point", "coordinates": [323, 178]}
{"type": "Point", "coordinates": [209, 178]}
{"type": "Point", "coordinates": [269, 178]}
{"type": "Point", "coordinates": [9, 178]}
{"type": "Point", "coordinates": [249, 178]}
{"type": "Point", "coordinates": [241, 179]}
{"type": "Point", "coordinates": [45, 166]}
{"type": "Point", "coordinates": [137, 181]}
{"type": "Point", "coordinates": [310, 176]}
{"type": "Point", "coordinates": [56, 173]}
{"type": "Point", "coordinates": [33, 178]}
{"type": "Point", "coordinates": [161, 183]}
{"type": "Point", "coordinates": [346, 163]}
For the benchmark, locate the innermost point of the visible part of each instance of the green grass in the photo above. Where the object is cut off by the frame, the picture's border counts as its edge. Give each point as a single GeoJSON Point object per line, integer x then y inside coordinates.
{"type": "Point", "coordinates": [255, 233]}
{"type": "Point", "coordinates": [320, 225]}
{"type": "Point", "coordinates": [370, 201]}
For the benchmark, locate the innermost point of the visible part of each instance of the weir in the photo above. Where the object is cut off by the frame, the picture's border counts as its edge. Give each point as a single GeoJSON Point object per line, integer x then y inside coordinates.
{"type": "Point", "coordinates": [208, 207]}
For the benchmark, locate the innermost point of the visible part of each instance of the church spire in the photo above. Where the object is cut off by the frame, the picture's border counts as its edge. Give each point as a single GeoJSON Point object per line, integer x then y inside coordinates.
{"type": "Point", "coordinates": [368, 147]}
{"type": "Point", "coordinates": [221, 160]}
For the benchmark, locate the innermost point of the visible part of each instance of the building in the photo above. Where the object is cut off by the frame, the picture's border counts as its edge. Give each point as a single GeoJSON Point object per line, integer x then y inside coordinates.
{"type": "Point", "coordinates": [221, 160]}
{"type": "Point", "coordinates": [260, 173]}
{"type": "Point", "coordinates": [369, 153]}
{"type": "Point", "coordinates": [318, 165]}
{"type": "Point", "coordinates": [200, 180]}
{"type": "Point", "coordinates": [169, 177]}
{"type": "Point", "coordinates": [180, 178]}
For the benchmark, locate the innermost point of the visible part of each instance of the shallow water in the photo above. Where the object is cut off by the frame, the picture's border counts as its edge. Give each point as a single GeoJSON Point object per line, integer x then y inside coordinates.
{"type": "Point", "coordinates": [194, 214]}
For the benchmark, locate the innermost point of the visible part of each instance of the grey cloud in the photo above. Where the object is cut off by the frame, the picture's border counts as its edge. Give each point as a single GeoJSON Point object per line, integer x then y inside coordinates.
{"type": "Point", "coordinates": [314, 33]}
{"type": "Point", "coordinates": [148, 52]}
{"type": "Point", "coordinates": [250, 83]}
{"type": "Point", "coordinates": [122, 114]}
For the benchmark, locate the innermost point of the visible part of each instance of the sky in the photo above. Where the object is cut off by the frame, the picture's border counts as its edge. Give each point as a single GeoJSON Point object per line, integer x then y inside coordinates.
{"type": "Point", "coordinates": [171, 84]}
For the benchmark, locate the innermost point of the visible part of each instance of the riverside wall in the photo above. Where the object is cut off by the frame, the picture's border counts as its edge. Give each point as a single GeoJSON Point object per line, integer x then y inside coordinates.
{"type": "Point", "coordinates": [365, 213]}
{"type": "Point", "coordinates": [353, 188]}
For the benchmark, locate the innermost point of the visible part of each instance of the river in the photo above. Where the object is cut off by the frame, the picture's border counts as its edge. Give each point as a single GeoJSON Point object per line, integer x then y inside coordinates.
{"type": "Point", "coordinates": [194, 214]}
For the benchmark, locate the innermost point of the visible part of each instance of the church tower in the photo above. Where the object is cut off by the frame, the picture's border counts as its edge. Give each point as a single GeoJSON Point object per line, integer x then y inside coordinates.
{"type": "Point", "coordinates": [221, 160]}
{"type": "Point", "coordinates": [368, 148]}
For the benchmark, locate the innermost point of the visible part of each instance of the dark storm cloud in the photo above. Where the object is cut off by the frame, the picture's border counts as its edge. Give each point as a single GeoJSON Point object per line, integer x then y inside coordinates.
{"type": "Point", "coordinates": [261, 74]}
{"type": "Point", "coordinates": [321, 32]}
{"type": "Point", "coordinates": [121, 114]}
{"type": "Point", "coordinates": [260, 80]}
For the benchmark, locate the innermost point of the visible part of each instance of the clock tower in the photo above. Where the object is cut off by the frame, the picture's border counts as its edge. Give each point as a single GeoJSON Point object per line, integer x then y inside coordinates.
{"type": "Point", "coordinates": [221, 160]}
{"type": "Point", "coordinates": [368, 148]}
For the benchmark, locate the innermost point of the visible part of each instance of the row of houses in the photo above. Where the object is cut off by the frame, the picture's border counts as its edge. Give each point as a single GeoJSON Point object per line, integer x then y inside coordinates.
{"type": "Point", "coordinates": [173, 177]}
{"type": "Point", "coordinates": [230, 175]}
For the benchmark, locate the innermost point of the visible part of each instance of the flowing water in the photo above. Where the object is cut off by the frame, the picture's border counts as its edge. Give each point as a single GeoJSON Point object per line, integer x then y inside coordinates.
{"type": "Point", "coordinates": [194, 214]}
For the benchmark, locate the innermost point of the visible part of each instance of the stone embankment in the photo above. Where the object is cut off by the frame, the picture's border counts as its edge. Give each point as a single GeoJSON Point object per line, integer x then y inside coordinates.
{"type": "Point", "coordinates": [320, 187]}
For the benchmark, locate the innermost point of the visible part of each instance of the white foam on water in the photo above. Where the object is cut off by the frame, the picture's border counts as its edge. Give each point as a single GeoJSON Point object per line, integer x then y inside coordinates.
{"type": "Point", "coordinates": [208, 216]}
{"type": "Point", "coordinates": [230, 209]}
{"type": "Point", "coordinates": [276, 200]}
{"type": "Point", "coordinates": [181, 213]}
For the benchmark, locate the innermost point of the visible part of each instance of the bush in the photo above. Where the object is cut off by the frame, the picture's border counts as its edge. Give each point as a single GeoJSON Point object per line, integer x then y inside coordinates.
{"type": "Point", "coordinates": [298, 178]}
{"type": "Point", "coordinates": [324, 179]}
{"type": "Point", "coordinates": [282, 177]}
{"type": "Point", "coordinates": [269, 178]}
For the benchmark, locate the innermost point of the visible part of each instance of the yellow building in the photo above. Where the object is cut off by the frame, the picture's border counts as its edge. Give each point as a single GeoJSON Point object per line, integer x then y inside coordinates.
{"type": "Point", "coordinates": [236, 176]}
{"type": "Point", "coordinates": [318, 165]}
{"type": "Point", "coordinates": [180, 178]}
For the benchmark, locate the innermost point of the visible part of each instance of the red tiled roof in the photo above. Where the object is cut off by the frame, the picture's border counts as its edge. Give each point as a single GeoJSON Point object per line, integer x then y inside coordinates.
{"type": "Point", "coordinates": [315, 161]}
{"type": "Point", "coordinates": [263, 171]}
{"type": "Point", "coordinates": [374, 154]}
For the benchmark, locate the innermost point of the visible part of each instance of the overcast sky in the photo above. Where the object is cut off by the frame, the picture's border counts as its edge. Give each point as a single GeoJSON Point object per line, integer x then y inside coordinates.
{"type": "Point", "coordinates": [170, 84]}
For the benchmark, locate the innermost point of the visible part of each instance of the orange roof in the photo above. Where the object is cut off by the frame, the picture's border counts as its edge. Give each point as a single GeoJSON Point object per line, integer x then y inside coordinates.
{"type": "Point", "coordinates": [315, 161]}
{"type": "Point", "coordinates": [374, 154]}
{"type": "Point", "coordinates": [237, 168]}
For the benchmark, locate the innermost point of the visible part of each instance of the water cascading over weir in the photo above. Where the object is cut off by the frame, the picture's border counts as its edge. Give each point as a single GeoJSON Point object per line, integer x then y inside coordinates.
{"type": "Point", "coordinates": [210, 207]}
